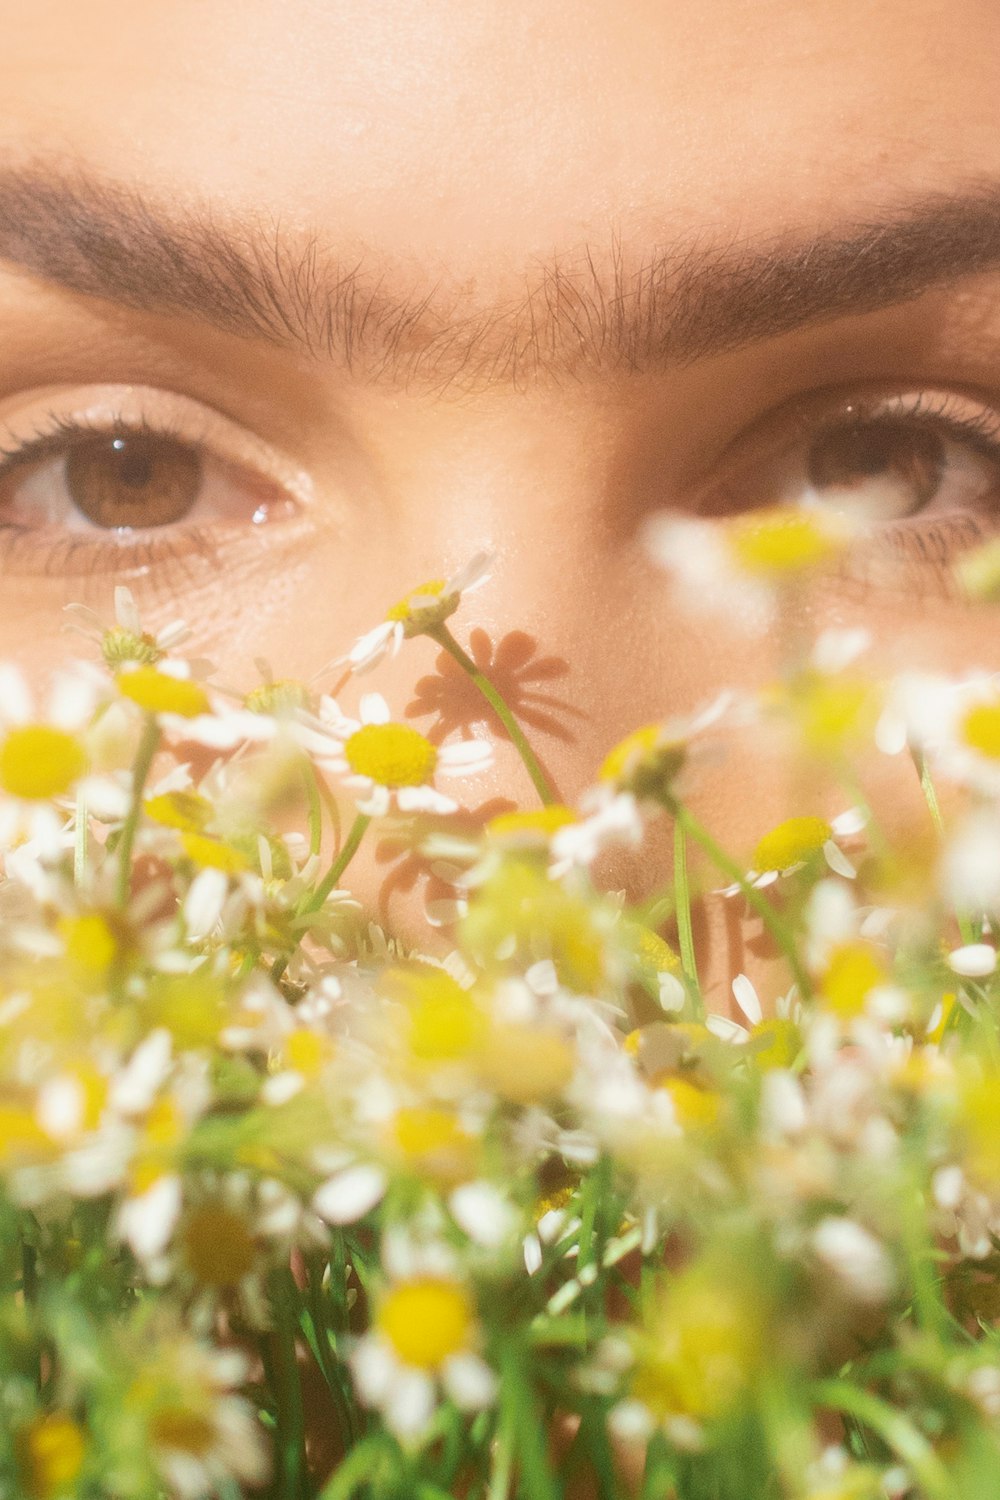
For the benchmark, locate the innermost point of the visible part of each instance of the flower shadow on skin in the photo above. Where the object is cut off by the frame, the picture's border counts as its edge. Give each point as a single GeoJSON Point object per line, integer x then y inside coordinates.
{"type": "Point", "coordinates": [516, 670]}
{"type": "Point", "coordinates": [408, 865]}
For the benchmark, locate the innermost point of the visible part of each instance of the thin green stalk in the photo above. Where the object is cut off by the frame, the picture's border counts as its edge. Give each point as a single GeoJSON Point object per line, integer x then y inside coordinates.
{"type": "Point", "coordinates": [778, 929]}
{"type": "Point", "coordinates": [290, 1435]}
{"type": "Point", "coordinates": [362, 1463]}
{"type": "Point", "coordinates": [502, 1468]}
{"type": "Point", "coordinates": [934, 808]}
{"type": "Point", "coordinates": [315, 807]}
{"type": "Point", "coordinates": [682, 897]}
{"type": "Point", "coordinates": [326, 885]}
{"type": "Point", "coordinates": [895, 1429]}
{"type": "Point", "coordinates": [520, 1415]}
{"type": "Point", "coordinates": [444, 637]}
{"type": "Point", "coordinates": [140, 772]}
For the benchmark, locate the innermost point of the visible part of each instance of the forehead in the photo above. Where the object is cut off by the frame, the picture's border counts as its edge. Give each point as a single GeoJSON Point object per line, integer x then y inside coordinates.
{"type": "Point", "coordinates": [474, 136]}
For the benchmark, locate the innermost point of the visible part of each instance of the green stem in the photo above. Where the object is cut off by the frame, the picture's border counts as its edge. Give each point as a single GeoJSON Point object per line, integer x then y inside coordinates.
{"type": "Point", "coordinates": [782, 934]}
{"type": "Point", "coordinates": [326, 885]}
{"type": "Point", "coordinates": [290, 1436]}
{"type": "Point", "coordinates": [143, 761]}
{"type": "Point", "coordinates": [444, 637]}
{"type": "Point", "coordinates": [682, 897]}
{"type": "Point", "coordinates": [315, 807]}
{"type": "Point", "coordinates": [934, 808]}
{"type": "Point", "coordinates": [895, 1429]}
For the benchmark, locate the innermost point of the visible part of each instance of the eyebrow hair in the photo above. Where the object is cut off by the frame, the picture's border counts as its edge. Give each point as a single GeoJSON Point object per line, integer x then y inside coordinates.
{"type": "Point", "coordinates": [579, 313]}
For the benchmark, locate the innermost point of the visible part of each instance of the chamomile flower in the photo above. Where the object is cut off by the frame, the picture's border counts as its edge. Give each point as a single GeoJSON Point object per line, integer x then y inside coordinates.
{"type": "Point", "coordinates": [423, 1343]}
{"type": "Point", "coordinates": [126, 640]}
{"type": "Point", "coordinates": [427, 605]}
{"type": "Point", "coordinates": [387, 764]}
{"type": "Point", "coordinates": [44, 756]}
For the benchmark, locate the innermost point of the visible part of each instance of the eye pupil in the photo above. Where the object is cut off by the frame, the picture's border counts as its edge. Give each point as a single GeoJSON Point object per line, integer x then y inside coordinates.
{"type": "Point", "coordinates": [908, 459]}
{"type": "Point", "coordinates": [133, 481]}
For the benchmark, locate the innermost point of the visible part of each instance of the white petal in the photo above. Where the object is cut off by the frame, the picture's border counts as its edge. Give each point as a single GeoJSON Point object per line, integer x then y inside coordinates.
{"type": "Point", "coordinates": [838, 860]}
{"type": "Point", "coordinates": [837, 648]}
{"type": "Point", "coordinates": [349, 1195]}
{"type": "Point", "coordinates": [469, 1381]}
{"type": "Point", "coordinates": [374, 1368]}
{"type": "Point", "coordinates": [424, 799]}
{"type": "Point", "coordinates": [472, 575]}
{"type": "Point", "coordinates": [890, 732]}
{"type": "Point", "coordinates": [747, 999]}
{"type": "Point", "coordinates": [204, 901]}
{"type": "Point", "coordinates": [374, 709]}
{"type": "Point", "coordinates": [671, 993]}
{"type": "Point", "coordinates": [15, 699]}
{"type": "Point", "coordinates": [846, 824]}
{"type": "Point", "coordinates": [445, 911]}
{"type": "Point", "coordinates": [410, 1405]}
{"type": "Point", "coordinates": [147, 1222]}
{"type": "Point", "coordinates": [483, 1212]}
{"type": "Point", "coordinates": [134, 1088]}
{"type": "Point", "coordinates": [126, 611]}
{"type": "Point", "coordinates": [974, 961]}
{"type": "Point", "coordinates": [465, 755]}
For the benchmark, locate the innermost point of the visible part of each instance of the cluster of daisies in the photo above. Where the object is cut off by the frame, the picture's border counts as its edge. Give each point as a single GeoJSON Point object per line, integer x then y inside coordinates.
{"type": "Point", "coordinates": [289, 1208]}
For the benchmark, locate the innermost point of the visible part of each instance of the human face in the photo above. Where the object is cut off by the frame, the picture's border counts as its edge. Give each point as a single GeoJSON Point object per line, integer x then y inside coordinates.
{"type": "Point", "coordinates": [432, 277]}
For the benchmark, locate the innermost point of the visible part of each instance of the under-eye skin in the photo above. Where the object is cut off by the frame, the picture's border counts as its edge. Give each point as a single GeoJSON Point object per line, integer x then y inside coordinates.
{"type": "Point", "coordinates": [917, 470]}
{"type": "Point", "coordinates": [122, 479]}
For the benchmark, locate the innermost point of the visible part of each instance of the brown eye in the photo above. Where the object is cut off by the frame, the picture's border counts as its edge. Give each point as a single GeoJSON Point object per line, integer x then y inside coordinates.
{"type": "Point", "coordinates": [894, 467]}
{"type": "Point", "coordinates": [133, 481]}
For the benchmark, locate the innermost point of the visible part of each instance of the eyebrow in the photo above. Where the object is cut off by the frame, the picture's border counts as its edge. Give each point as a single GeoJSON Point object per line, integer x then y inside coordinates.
{"type": "Point", "coordinates": [580, 312]}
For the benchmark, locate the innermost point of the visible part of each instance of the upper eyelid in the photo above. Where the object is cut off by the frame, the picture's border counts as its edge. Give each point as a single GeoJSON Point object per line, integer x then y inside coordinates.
{"type": "Point", "coordinates": [43, 423]}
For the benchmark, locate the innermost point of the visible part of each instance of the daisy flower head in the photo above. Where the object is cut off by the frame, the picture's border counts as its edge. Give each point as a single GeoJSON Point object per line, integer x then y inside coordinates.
{"type": "Point", "coordinates": [387, 764]}
{"type": "Point", "coordinates": [422, 1344]}
{"type": "Point", "coordinates": [418, 612]}
{"type": "Point", "coordinates": [645, 765]}
{"type": "Point", "coordinates": [43, 756]}
{"type": "Point", "coordinates": [745, 564]}
{"type": "Point", "coordinates": [126, 640]}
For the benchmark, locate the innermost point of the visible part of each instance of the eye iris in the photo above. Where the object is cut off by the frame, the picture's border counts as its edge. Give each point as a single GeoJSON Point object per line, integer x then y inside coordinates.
{"type": "Point", "coordinates": [897, 466]}
{"type": "Point", "coordinates": [133, 481]}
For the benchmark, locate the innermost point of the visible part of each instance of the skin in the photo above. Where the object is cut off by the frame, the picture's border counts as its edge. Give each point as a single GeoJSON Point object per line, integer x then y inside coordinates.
{"type": "Point", "coordinates": [462, 145]}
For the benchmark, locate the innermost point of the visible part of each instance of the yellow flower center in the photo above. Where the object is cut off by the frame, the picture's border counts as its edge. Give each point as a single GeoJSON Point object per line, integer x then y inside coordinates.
{"type": "Point", "coordinates": [853, 971]}
{"type": "Point", "coordinates": [391, 755]}
{"type": "Point", "coordinates": [426, 1320]}
{"type": "Point", "coordinates": [444, 1022]}
{"type": "Point", "coordinates": [119, 646]}
{"type": "Point", "coordinates": [695, 1108]}
{"type": "Point", "coordinates": [210, 854]}
{"type": "Point", "coordinates": [218, 1246]}
{"type": "Point", "coordinates": [981, 729]}
{"type": "Point", "coordinates": [38, 762]}
{"type": "Point", "coordinates": [775, 1043]}
{"type": "Point", "coordinates": [307, 1052]}
{"type": "Point", "coordinates": [644, 762]}
{"type": "Point", "coordinates": [159, 693]}
{"type": "Point", "coordinates": [791, 842]}
{"type": "Point", "coordinates": [50, 1454]}
{"type": "Point", "coordinates": [186, 1431]}
{"type": "Point", "coordinates": [184, 810]}
{"type": "Point", "coordinates": [277, 697]}
{"type": "Point", "coordinates": [780, 543]}
{"type": "Point", "coordinates": [91, 945]}
{"type": "Point", "coordinates": [540, 822]}
{"type": "Point", "coordinates": [404, 610]}
{"type": "Point", "coordinates": [526, 1064]}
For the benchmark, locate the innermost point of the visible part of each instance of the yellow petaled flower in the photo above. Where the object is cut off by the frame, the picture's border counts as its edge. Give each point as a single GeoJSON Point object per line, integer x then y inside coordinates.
{"type": "Point", "coordinates": [426, 1321]}
{"type": "Point", "coordinates": [391, 754]}
{"type": "Point", "coordinates": [50, 1453]}
{"type": "Point", "coordinates": [211, 854]}
{"type": "Point", "coordinates": [38, 762]}
{"type": "Point", "coordinates": [783, 543]}
{"type": "Point", "coordinates": [160, 693]}
{"type": "Point", "coordinates": [186, 811]}
{"type": "Point", "coordinates": [852, 971]}
{"type": "Point", "coordinates": [980, 729]}
{"type": "Point", "coordinates": [701, 1348]}
{"type": "Point", "coordinates": [645, 762]}
{"type": "Point", "coordinates": [217, 1245]}
{"type": "Point", "coordinates": [22, 1139]}
{"type": "Point", "coordinates": [792, 842]}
